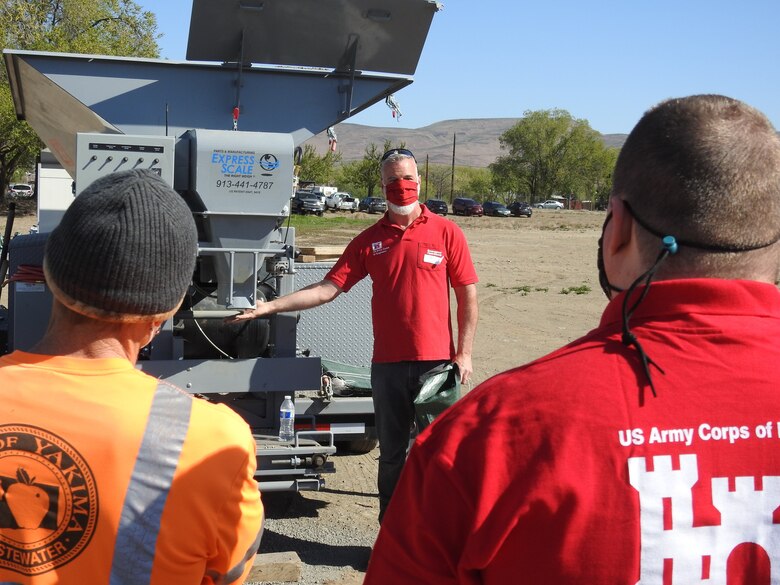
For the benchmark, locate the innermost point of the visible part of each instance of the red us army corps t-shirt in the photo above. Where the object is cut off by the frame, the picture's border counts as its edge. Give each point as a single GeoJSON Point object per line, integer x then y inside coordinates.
{"type": "Point", "coordinates": [557, 473]}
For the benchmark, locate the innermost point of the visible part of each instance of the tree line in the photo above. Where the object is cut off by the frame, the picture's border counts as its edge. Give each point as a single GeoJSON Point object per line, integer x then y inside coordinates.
{"type": "Point", "coordinates": [98, 27]}
{"type": "Point", "coordinates": [547, 153]}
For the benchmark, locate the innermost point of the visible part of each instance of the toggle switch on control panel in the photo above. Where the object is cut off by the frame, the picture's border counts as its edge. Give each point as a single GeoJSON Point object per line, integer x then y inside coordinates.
{"type": "Point", "coordinates": [100, 154]}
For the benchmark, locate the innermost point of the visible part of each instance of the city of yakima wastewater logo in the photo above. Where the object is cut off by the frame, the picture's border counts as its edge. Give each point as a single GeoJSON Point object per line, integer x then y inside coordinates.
{"type": "Point", "coordinates": [48, 500]}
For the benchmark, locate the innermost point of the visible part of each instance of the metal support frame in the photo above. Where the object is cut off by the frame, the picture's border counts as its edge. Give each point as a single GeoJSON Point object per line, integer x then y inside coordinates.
{"type": "Point", "coordinates": [255, 252]}
{"type": "Point", "coordinates": [240, 76]}
{"type": "Point", "coordinates": [351, 60]}
{"type": "Point", "coordinates": [295, 466]}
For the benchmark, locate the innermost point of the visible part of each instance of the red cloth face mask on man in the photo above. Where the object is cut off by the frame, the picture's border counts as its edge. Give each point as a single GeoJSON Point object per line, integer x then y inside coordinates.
{"type": "Point", "coordinates": [402, 192]}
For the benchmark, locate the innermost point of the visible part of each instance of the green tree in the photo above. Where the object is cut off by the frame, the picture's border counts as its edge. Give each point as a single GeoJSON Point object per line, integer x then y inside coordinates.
{"type": "Point", "coordinates": [18, 143]}
{"type": "Point", "coordinates": [362, 176]}
{"type": "Point", "coordinates": [104, 27]}
{"type": "Point", "coordinates": [439, 182]}
{"type": "Point", "coordinates": [474, 182]}
{"type": "Point", "coordinates": [550, 153]}
{"type": "Point", "coordinates": [320, 169]}
{"type": "Point", "coordinates": [604, 166]}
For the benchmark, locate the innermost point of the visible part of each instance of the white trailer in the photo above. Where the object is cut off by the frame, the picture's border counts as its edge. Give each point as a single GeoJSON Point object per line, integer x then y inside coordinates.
{"type": "Point", "coordinates": [55, 188]}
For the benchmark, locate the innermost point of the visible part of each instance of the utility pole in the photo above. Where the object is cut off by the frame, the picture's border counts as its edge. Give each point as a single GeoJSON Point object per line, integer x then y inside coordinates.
{"type": "Point", "coordinates": [452, 182]}
{"type": "Point", "coordinates": [426, 177]}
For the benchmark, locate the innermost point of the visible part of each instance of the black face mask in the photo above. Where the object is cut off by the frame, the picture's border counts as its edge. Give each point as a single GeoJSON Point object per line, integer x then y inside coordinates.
{"type": "Point", "coordinates": [606, 286]}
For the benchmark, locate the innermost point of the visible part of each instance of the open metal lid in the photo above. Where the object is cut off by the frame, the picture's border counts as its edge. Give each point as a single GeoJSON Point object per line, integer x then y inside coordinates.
{"type": "Point", "coordinates": [322, 62]}
{"type": "Point", "coordinates": [61, 95]}
{"type": "Point", "coordinates": [375, 35]}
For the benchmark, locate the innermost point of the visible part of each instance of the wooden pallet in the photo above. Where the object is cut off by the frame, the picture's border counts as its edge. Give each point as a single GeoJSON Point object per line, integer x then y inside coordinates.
{"type": "Point", "coordinates": [319, 253]}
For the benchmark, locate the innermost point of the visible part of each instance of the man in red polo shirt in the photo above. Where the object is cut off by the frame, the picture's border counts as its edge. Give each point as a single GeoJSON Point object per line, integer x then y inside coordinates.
{"type": "Point", "coordinates": [410, 254]}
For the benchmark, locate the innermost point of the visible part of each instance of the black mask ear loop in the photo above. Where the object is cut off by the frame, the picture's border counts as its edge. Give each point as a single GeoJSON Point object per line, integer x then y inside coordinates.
{"type": "Point", "coordinates": [604, 282]}
{"type": "Point", "coordinates": [669, 247]}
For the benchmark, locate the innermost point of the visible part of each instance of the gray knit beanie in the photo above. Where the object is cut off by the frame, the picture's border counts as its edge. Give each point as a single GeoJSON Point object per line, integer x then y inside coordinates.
{"type": "Point", "coordinates": [124, 251]}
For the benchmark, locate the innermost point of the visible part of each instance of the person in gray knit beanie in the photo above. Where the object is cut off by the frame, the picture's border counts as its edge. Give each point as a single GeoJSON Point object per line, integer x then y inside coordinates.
{"type": "Point", "coordinates": [110, 474]}
{"type": "Point", "coordinates": [124, 251]}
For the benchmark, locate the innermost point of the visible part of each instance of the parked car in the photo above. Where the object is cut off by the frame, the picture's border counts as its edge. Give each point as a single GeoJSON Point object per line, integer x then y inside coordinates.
{"type": "Point", "coordinates": [519, 208]}
{"type": "Point", "coordinates": [466, 206]}
{"type": "Point", "coordinates": [20, 190]}
{"type": "Point", "coordinates": [341, 201]}
{"type": "Point", "coordinates": [495, 208]}
{"type": "Point", "coordinates": [307, 202]}
{"type": "Point", "coordinates": [373, 205]}
{"type": "Point", "coordinates": [437, 206]}
{"type": "Point", "coordinates": [549, 204]}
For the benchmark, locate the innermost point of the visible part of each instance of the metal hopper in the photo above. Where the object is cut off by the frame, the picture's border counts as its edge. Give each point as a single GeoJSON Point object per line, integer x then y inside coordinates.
{"type": "Point", "coordinates": [320, 62]}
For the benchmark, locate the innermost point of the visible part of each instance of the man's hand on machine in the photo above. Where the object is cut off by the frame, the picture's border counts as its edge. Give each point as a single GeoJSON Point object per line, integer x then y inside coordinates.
{"type": "Point", "coordinates": [249, 314]}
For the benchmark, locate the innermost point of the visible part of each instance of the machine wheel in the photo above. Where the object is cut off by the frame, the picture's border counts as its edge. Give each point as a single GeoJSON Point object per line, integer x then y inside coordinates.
{"type": "Point", "coordinates": [319, 214]}
{"type": "Point", "coordinates": [358, 446]}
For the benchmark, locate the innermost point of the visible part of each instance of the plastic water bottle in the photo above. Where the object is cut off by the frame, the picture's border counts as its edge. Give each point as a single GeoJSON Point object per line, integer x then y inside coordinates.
{"type": "Point", "coordinates": [287, 420]}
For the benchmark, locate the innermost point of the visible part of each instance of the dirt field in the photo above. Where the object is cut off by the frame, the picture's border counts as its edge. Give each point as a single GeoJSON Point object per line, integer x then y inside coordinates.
{"type": "Point", "coordinates": [538, 285]}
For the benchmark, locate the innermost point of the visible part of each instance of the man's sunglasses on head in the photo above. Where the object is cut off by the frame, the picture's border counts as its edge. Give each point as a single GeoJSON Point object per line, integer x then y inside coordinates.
{"type": "Point", "coordinates": [396, 151]}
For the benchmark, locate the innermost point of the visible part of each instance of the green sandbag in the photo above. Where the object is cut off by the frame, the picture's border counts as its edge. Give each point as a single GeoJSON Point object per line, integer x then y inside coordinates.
{"type": "Point", "coordinates": [355, 377]}
{"type": "Point", "coordinates": [440, 389]}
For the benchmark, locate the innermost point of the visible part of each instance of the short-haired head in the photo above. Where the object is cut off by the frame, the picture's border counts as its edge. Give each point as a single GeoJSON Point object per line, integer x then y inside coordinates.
{"type": "Point", "coordinates": [706, 170]}
{"type": "Point", "coordinates": [395, 155]}
{"type": "Point", "coordinates": [124, 251]}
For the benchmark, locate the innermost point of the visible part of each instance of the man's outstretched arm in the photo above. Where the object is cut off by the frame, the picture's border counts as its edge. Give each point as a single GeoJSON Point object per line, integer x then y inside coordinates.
{"type": "Point", "coordinates": [309, 297]}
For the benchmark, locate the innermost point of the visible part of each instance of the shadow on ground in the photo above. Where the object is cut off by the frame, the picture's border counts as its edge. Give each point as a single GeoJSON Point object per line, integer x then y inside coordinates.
{"type": "Point", "coordinates": [279, 505]}
{"type": "Point", "coordinates": [317, 553]}
{"type": "Point", "coordinates": [374, 495]}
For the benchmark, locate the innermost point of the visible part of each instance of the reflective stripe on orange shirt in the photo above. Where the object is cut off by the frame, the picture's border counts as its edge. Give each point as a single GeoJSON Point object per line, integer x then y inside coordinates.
{"type": "Point", "coordinates": [155, 465]}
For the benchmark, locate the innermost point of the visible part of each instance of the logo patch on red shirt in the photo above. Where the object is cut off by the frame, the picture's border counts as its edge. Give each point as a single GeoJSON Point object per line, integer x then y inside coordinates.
{"type": "Point", "coordinates": [378, 248]}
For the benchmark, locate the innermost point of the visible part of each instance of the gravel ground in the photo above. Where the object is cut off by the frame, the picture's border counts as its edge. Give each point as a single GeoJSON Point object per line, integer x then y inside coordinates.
{"type": "Point", "coordinates": [332, 530]}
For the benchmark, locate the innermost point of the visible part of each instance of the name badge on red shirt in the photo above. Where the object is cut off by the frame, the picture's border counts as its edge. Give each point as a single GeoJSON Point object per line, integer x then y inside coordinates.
{"type": "Point", "coordinates": [433, 257]}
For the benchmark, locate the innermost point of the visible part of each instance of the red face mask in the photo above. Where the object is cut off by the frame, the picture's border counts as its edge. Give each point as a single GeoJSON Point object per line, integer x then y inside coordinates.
{"type": "Point", "coordinates": [402, 192]}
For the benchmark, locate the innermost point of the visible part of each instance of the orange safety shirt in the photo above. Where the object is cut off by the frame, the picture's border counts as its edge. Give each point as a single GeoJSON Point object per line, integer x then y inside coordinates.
{"type": "Point", "coordinates": [108, 475]}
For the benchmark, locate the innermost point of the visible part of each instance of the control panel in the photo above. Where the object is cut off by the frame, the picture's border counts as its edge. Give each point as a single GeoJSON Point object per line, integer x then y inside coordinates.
{"type": "Point", "coordinates": [98, 155]}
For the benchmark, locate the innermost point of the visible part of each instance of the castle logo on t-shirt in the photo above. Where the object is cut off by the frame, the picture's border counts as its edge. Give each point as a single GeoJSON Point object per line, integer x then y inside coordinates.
{"type": "Point", "coordinates": [675, 548]}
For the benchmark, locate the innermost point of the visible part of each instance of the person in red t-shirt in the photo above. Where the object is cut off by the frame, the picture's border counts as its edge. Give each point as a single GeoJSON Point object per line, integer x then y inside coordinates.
{"type": "Point", "coordinates": [410, 254]}
{"type": "Point", "coordinates": [646, 451]}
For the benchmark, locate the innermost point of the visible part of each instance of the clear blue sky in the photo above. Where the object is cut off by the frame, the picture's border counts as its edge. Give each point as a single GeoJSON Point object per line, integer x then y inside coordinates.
{"type": "Point", "coordinates": [605, 61]}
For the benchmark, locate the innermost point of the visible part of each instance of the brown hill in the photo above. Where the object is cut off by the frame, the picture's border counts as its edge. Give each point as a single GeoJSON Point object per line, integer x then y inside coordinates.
{"type": "Point", "coordinates": [476, 140]}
